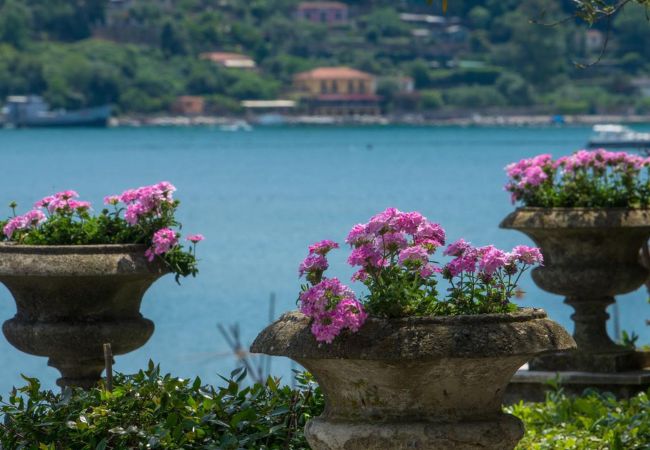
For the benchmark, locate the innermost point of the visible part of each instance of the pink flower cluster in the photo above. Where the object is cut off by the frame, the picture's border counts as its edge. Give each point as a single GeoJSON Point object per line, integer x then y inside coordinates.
{"type": "Point", "coordinates": [143, 202]}
{"type": "Point", "coordinates": [487, 260]}
{"type": "Point", "coordinates": [392, 236]}
{"type": "Point", "coordinates": [527, 175]}
{"type": "Point", "coordinates": [332, 307]}
{"type": "Point", "coordinates": [63, 202]}
{"type": "Point", "coordinates": [600, 160]}
{"type": "Point", "coordinates": [393, 250]}
{"type": "Point", "coordinates": [25, 222]}
{"type": "Point", "coordinates": [316, 262]}
{"type": "Point", "coordinates": [163, 240]}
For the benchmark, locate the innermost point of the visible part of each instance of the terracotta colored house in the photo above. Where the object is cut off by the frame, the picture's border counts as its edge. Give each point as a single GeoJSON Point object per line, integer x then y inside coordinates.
{"type": "Point", "coordinates": [330, 13]}
{"type": "Point", "coordinates": [337, 91]}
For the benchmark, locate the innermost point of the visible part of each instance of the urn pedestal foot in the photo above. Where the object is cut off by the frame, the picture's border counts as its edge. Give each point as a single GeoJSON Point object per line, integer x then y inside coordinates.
{"type": "Point", "coordinates": [596, 351]}
{"type": "Point", "coordinates": [500, 433]}
{"type": "Point", "coordinates": [76, 348]}
{"type": "Point", "coordinates": [78, 373]}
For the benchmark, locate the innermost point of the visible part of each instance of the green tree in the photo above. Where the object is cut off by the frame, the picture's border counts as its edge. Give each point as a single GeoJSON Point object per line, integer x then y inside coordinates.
{"type": "Point", "coordinates": [15, 24]}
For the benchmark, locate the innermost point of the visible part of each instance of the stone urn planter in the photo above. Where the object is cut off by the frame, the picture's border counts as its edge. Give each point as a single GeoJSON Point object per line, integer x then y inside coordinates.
{"type": "Point", "coordinates": [419, 382]}
{"type": "Point", "coordinates": [590, 255]}
{"type": "Point", "coordinates": [70, 300]}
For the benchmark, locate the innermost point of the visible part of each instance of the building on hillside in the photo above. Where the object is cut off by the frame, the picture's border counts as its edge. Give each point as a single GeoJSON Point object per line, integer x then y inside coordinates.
{"type": "Point", "coordinates": [329, 13]}
{"type": "Point", "coordinates": [189, 105]}
{"type": "Point", "coordinates": [230, 60]}
{"type": "Point", "coordinates": [335, 91]}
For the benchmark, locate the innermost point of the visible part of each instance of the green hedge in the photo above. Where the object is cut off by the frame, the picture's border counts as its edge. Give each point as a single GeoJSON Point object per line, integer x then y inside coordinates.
{"type": "Point", "coordinates": [593, 421]}
{"type": "Point", "coordinates": [150, 410]}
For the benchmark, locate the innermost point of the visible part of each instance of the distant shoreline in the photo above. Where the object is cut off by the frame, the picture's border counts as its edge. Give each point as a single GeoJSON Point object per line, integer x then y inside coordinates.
{"type": "Point", "coordinates": [235, 123]}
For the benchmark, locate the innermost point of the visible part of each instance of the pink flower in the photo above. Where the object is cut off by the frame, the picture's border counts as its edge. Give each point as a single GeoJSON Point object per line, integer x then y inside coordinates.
{"type": "Point", "coordinates": [528, 255]}
{"type": "Point", "coordinates": [491, 259]}
{"type": "Point", "coordinates": [163, 241]}
{"type": "Point", "coordinates": [384, 221]}
{"type": "Point", "coordinates": [409, 222]}
{"type": "Point", "coordinates": [29, 220]}
{"type": "Point", "coordinates": [194, 238]}
{"type": "Point", "coordinates": [323, 247]}
{"type": "Point", "coordinates": [111, 200]}
{"type": "Point", "coordinates": [457, 248]}
{"type": "Point", "coordinates": [358, 235]}
{"type": "Point", "coordinates": [428, 269]}
{"type": "Point", "coordinates": [533, 176]}
{"type": "Point", "coordinates": [365, 256]}
{"type": "Point", "coordinates": [414, 256]}
{"type": "Point", "coordinates": [332, 308]}
{"type": "Point", "coordinates": [431, 234]}
{"type": "Point", "coordinates": [146, 201]}
{"type": "Point", "coordinates": [360, 275]}
{"type": "Point", "coordinates": [313, 263]}
{"type": "Point", "coordinates": [393, 241]}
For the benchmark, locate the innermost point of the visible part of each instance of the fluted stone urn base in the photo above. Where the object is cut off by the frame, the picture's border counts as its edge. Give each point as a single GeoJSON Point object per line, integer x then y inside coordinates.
{"type": "Point", "coordinates": [416, 383]}
{"type": "Point", "coordinates": [590, 255]}
{"type": "Point", "coordinates": [71, 300]}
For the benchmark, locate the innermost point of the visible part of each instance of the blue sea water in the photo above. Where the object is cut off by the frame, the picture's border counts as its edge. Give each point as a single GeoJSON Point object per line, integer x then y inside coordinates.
{"type": "Point", "coordinates": [261, 198]}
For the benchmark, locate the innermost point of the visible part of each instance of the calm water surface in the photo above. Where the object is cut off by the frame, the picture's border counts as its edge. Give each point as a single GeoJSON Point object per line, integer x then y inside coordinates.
{"type": "Point", "coordinates": [261, 198]}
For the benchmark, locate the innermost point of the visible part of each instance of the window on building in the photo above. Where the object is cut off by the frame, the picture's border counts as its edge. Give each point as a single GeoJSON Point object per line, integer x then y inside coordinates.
{"type": "Point", "coordinates": [362, 87]}
{"type": "Point", "coordinates": [350, 87]}
{"type": "Point", "coordinates": [335, 87]}
{"type": "Point", "coordinates": [323, 87]}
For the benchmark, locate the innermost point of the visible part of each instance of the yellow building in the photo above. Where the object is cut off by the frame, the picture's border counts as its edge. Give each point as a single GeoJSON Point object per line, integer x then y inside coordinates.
{"type": "Point", "coordinates": [337, 91]}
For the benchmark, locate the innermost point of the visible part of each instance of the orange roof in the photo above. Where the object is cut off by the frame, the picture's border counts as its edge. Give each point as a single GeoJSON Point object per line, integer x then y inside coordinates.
{"type": "Point", "coordinates": [322, 5]}
{"type": "Point", "coordinates": [333, 73]}
{"type": "Point", "coordinates": [223, 56]}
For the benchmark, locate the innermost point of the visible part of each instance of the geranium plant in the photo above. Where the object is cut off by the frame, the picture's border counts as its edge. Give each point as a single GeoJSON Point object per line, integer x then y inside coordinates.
{"type": "Point", "coordinates": [137, 216]}
{"type": "Point", "coordinates": [394, 252]}
{"type": "Point", "coordinates": [596, 178]}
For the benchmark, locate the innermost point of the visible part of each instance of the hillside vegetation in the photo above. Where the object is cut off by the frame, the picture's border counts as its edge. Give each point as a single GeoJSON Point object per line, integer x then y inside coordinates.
{"type": "Point", "coordinates": [495, 56]}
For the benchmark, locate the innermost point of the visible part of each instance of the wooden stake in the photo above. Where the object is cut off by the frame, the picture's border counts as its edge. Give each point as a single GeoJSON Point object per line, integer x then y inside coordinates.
{"type": "Point", "coordinates": [108, 364]}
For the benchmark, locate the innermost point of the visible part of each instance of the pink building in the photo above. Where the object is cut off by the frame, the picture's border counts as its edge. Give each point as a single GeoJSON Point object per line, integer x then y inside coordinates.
{"type": "Point", "coordinates": [330, 13]}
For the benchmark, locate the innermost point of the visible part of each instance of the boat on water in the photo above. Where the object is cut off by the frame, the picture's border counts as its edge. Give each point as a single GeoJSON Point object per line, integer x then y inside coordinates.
{"type": "Point", "coordinates": [618, 136]}
{"type": "Point", "coordinates": [27, 111]}
{"type": "Point", "coordinates": [237, 125]}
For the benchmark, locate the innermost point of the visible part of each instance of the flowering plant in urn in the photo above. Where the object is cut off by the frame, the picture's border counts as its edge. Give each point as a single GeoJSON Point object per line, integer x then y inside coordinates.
{"type": "Point", "coordinates": [585, 178]}
{"type": "Point", "coordinates": [78, 278]}
{"type": "Point", "coordinates": [395, 253]}
{"type": "Point", "coordinates": [421, 359]}
{"type": "Point", "coordinates": [137, 216]}
{"type": "Point", "coordinates": [589, 212]}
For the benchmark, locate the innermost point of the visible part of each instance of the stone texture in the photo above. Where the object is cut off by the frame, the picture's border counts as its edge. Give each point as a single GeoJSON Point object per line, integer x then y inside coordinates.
{"type": "Point", "coordinates": [590, 255]}
{"type": "Point", "coordinates": [532, 385]}
{"type": "Point", "coordinates": [416, 383]}
{"type": "Point", "coordinates": [70, 300]}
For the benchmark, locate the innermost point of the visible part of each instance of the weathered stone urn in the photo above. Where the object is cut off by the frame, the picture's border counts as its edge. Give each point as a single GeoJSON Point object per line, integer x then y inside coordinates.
{"type": "Point", "coordinates": [590, 255]}
{"type": "Point", "coordinates": [70, 300]}
{"type": "Point", "coordinates": [416, 383]}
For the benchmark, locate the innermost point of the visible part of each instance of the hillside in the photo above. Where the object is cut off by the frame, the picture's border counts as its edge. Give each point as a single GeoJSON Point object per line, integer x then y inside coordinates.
{"type": "Point", "coordinates": [141, 54]}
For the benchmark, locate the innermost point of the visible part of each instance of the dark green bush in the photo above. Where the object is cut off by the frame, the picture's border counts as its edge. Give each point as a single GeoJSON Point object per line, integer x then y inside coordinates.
{"type": "Point", "coordinates": [152, 411]}
{"type": "Point", "coordinates": [593, 421]}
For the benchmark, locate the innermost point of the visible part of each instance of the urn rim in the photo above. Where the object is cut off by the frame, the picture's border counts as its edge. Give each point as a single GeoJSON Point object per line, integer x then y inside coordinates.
{"type": "Point", "coordinates": [85, 249]}
{"type": "Point", "coordinates": [526, 331]}
{"type": "Point", "coordinates": [529, 218]}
